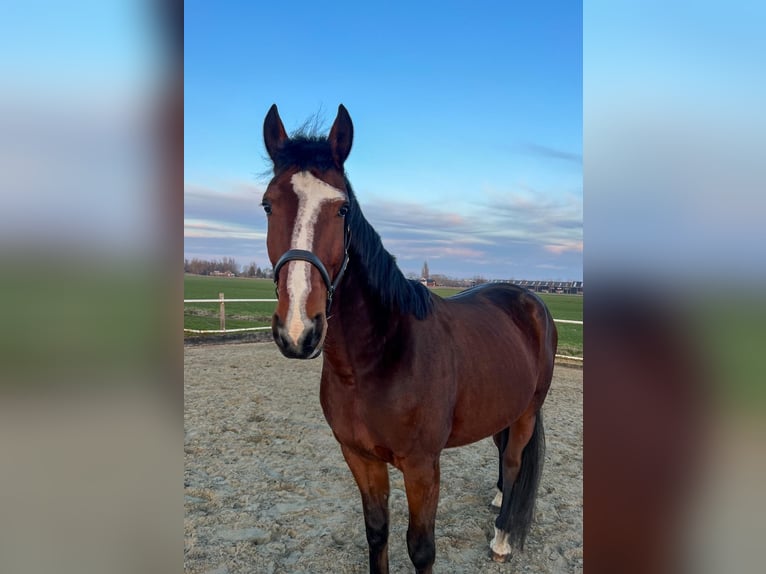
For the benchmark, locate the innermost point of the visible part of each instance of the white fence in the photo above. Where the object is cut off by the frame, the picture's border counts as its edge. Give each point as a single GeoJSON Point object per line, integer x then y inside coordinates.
{"type": "Point", "coordinates": [222, 314]}
{"type": "Point", "coordinates": [222, 317]}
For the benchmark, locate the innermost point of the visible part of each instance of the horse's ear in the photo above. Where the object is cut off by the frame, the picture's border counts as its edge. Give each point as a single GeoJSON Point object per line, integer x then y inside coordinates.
{"type": "Point", "coordinates": [274, 134]}
{"type": "Point", "coordinates": [341, 136]}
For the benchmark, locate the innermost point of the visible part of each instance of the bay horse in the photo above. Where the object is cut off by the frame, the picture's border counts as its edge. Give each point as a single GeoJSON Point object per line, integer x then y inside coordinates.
{"type": "Point", "coordinates": [405, 373]}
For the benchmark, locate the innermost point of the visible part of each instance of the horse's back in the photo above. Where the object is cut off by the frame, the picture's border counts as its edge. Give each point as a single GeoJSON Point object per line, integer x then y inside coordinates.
{"type": "Point", "coordinates": [525, 310]}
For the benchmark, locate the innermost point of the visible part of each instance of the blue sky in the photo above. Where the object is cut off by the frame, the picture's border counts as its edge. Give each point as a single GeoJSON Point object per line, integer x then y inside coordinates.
{"type": "Point", "coordinates": [468, 126]}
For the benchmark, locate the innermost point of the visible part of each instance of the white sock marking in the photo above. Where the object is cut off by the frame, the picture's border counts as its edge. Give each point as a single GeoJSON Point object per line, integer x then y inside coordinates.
{"type": "Point", "coordinates": [499, 544]}
{"type": "Point", "coordinates": [312, 192]}
{"type": "Point", "coordinates": [498, 500]}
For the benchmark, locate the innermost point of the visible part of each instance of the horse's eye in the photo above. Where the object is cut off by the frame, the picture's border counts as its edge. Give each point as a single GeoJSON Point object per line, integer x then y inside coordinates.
{"type": "Point", "coordinates": [266, 207]}
{"type": "Point", "coordinates": [343, 210]}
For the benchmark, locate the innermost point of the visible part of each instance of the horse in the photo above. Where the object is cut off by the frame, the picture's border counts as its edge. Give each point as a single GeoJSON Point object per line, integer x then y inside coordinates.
{"type": "Point", "coordinates": [405, 373]}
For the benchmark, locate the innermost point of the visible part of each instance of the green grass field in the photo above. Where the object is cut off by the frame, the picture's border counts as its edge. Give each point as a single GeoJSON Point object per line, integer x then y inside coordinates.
{"type": "Point", "coordinates": [241, 315]}
{"type": "Point", "coordinates": [238, 315]}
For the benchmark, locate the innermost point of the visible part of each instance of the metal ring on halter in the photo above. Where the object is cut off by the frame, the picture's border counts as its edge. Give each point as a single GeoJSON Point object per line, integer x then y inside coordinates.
{"type": "Point", "coordinates": [303, 255]}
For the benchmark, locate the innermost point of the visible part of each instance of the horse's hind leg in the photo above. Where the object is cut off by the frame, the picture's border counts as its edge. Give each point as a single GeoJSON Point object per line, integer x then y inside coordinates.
{"type": "Point", "coordinates": [501, 441]}
{"type": "Point", "coordinates": [372, 479]}
{"type": "Point", "coordinates": [522, 463]}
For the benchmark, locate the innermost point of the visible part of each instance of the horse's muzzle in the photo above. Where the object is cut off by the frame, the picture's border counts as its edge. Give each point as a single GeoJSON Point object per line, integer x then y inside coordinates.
{"type": "Point", "coordinates": [309, 343]}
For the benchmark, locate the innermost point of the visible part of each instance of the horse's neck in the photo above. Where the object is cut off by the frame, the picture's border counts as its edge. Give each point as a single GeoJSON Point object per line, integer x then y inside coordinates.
{"type": "Point", "coordinates": [358, 326]}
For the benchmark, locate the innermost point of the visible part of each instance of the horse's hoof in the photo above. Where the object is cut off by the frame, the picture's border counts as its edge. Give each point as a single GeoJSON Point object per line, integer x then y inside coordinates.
{"type": "Point", "coordinates": [499, 549]}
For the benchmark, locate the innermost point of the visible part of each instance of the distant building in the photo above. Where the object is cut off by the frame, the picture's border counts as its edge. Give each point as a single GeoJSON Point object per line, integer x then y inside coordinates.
{"type": "Point", "coordinates": [563, 287]}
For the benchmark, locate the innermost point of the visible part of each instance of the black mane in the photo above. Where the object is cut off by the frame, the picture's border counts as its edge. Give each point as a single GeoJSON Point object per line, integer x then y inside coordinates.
{"type": "Point", "coordinates": [383, 275]}
{"type": "Point", "coordinates": [304, 150]}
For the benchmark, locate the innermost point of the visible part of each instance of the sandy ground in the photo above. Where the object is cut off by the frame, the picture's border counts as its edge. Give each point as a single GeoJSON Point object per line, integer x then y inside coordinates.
{"type": "Point", "coordinates": [267, 489]}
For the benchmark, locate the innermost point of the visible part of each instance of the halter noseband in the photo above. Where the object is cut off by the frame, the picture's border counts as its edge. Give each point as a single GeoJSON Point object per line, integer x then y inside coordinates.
{"type": "Point", "coordinates": [303, 255]}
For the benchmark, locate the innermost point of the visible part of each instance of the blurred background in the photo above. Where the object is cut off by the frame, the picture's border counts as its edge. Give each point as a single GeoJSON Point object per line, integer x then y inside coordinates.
{"type": "Point", "coordinates": [674, 262]}
{"type": "Point", "coordinates": [91, 350]}
{"type": "Point", "coordinates": [91, 391]}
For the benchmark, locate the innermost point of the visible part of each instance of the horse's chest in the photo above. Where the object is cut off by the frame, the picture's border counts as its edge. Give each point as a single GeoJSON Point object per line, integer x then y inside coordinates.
{"type": "Point", "coordinates": [344, 411]}
{"type": "Point", "coordinates": [363, 423]}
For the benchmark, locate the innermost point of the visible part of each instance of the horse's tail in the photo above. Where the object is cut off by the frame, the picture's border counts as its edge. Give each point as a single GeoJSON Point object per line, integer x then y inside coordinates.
{"type": "Point", "coordinates": [524, 491]}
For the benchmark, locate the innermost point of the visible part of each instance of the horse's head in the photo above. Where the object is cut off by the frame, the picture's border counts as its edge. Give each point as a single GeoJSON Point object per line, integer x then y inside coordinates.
{"type": "Point", "coordinates": [306, 203]}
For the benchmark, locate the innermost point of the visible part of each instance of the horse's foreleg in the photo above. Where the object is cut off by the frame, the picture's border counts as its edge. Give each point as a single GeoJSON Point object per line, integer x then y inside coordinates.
{"type": "Point", "coordinates": [421, 480]}
{"type": "Point", "coordinates": [372, 478]}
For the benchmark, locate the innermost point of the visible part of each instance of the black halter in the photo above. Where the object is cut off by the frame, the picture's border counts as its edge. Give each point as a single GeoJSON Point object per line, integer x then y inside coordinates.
{"type": "Point", "coordinates": [303, 255]}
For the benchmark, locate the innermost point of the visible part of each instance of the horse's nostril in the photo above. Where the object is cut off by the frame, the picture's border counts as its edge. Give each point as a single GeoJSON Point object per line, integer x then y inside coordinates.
{"type": "Point", "coordinates": [312, 340]}
{"type": "Point", "coordinates": [306, 346]}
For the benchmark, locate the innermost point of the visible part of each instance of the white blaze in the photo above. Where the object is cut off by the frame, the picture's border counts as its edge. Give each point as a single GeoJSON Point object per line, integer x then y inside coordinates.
{"type": "Point", "coordinates": [312, 193]}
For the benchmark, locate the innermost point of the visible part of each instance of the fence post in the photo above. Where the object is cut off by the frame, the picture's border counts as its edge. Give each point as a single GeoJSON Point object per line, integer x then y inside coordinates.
{"type": "Point", "coordinates": [222, 312]}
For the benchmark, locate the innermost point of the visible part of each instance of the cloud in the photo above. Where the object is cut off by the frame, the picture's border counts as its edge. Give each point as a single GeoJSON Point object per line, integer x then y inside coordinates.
{"type": "Point", "coordinates": [559, 248]}
{"type": "Point", "coordinates": [500, 234]}
{"type": "Point", "coordinates": [200, 228]}
{"type": "Point", "coordinates": [237, 203]}
{"type": "Point", "coordinates": [554, 222]}
{"type": "Point", "coordinates": [412, 250]}
{"type": "Point", "coordinates": [225, 222]}
{"type": "Point", "coordinates": [420, 221]}
{"type": "Point", "coordinates": [238, 206]}
{"type": "Point", "coordinates": [552, 153]}
{"type": "Point", "coordinates": [512, 234]}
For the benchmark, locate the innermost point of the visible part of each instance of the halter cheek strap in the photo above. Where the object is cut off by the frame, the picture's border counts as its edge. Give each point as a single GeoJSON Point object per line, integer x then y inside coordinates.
{"type": "Point", "coordinates": [303, 255]}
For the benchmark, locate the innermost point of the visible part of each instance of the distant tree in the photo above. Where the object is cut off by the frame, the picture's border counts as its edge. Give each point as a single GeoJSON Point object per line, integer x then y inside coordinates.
{"type": "Point", "coordinates": [198, 267]}
{"type": "Point", "coordinates": [205, 267]}
{"type": "Point", "coordinates": [424, 273]}
{"type": "Point", "coordinates": [229, 264]}
{"type": "Point", "coordinates": [443, 280]}
{"type": "Point", "coordinates": [251, 270]}
{"type": "Point", "coordinates": [412, 275]}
